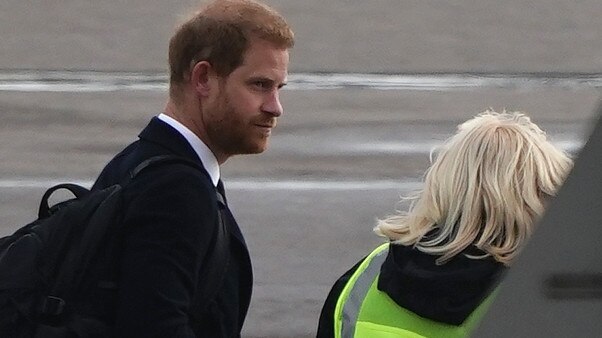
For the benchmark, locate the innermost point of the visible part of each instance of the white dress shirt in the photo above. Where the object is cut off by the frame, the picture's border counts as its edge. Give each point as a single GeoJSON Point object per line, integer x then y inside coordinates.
{"type": "Point", "coordinates": [205, 155]}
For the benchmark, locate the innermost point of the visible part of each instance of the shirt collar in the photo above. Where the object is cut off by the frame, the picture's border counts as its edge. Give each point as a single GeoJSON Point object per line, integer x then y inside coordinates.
{"type": "Point", "coordinates": [200, 148]}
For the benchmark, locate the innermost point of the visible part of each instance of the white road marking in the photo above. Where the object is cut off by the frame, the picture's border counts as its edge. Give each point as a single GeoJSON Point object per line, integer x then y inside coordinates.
{"type": "Point", "coordinates": [88, 81]}
{"type": "Point", "coordinates": [242, 184]}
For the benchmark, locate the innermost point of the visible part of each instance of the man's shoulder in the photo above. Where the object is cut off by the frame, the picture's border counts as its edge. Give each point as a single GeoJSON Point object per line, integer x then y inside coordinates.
{"type": "Point", "coordinates": [121, 166]}
{"type": "Point", "coordinates": [170, 187]}
{"type": "Point", "coordinates": [175, 174]}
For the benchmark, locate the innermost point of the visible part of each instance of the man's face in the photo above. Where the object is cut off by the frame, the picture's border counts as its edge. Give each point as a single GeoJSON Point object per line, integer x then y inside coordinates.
{"type": "Point", "coordinates": [240, 115]}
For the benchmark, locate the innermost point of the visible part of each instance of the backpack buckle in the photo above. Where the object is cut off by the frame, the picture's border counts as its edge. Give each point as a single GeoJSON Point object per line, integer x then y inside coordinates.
{"type": "Point", "coordinates": [52, 306]}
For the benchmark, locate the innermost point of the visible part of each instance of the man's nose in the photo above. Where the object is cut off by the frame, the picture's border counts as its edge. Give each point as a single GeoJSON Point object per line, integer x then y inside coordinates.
{"type": "Point", "coordinates": [272, 104]}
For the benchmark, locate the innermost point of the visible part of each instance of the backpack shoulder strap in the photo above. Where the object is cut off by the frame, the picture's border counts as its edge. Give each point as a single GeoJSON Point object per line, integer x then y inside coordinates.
{"type": "Point", "coordinates": [217, 263]}
{"type": "Point", "coordinates": [163, 160]}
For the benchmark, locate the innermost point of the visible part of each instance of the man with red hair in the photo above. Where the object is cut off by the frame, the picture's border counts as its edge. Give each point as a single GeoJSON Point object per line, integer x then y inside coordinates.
{"type": "Point", "coordinates": [228, 63]}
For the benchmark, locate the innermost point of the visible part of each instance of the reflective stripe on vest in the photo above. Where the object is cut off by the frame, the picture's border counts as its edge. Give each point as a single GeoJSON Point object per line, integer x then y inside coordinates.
{"type": "Point", "coordinates": [353, 294]}
{"type": "Point", "coordinates": [360, 288]}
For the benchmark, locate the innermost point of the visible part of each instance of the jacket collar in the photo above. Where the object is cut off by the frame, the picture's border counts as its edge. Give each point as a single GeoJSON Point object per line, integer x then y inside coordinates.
{"type": "Point", "coordinates": [163, 134]}
{"type": "Point", "coordinates": [199, 147]}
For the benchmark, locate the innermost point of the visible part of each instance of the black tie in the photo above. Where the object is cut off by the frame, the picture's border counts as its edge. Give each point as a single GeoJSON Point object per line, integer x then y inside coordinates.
{"type": "Point", "coordinates": [221, 192]}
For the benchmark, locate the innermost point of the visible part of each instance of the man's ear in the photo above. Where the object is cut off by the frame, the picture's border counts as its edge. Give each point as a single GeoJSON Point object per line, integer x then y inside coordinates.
{"type": "Point", "coordinates": [202, 78]}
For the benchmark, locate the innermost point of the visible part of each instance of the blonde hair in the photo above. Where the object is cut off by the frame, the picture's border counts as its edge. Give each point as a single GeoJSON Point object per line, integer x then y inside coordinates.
{"type": "Point", "coordinates": [487, 187]}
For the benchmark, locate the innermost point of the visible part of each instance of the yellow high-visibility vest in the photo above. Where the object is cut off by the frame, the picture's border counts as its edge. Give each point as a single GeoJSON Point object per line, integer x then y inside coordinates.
{"type": "Point", "coordinates": [363, 311]}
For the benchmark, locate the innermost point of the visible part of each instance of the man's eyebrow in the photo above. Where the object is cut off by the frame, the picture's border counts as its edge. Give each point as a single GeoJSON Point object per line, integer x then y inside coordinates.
{"type": "Point", "coordinates": [267, 80]}
{"type": "Point", "coordinates": [260, 78]}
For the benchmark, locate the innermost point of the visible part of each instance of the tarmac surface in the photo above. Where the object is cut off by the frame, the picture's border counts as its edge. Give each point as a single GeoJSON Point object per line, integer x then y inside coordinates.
{"type": "Point", "coordinates": [386, 36]}
{"type": "Point", "coordinates": [339, 158]}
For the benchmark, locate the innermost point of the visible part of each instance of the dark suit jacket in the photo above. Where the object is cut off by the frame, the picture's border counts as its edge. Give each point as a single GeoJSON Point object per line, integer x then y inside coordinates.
{"type": "Point", "coordinates": [169, 222]}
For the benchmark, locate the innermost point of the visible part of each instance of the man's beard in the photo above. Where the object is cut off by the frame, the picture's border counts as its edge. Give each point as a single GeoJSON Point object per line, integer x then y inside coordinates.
{"type": "Point", "coordinates": [233, 136]}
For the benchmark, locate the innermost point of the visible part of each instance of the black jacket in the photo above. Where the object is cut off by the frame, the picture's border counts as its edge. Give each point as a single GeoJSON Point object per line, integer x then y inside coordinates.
{"type": "Point", "coordinates": [169, 222]}
{"type": "Point", "coordinates": [446, 293]}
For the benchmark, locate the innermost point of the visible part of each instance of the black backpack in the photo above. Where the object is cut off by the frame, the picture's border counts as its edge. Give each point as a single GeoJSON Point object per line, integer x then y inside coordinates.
{"type": "Point", "coordinates": [45, 265]}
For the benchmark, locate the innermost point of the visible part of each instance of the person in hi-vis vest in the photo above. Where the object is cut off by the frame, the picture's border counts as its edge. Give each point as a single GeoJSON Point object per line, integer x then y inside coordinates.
{"type": "Point", "coordinates": [437, 273]}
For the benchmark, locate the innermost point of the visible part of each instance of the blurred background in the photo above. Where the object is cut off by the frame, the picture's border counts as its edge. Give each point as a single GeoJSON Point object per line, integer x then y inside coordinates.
{"type": "Point", "coordinates": [373, 87]}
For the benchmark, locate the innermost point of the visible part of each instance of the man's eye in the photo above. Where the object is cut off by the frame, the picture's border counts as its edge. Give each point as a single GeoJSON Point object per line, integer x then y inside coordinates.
{"type": "Point", "coordinates": [261, 84]}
